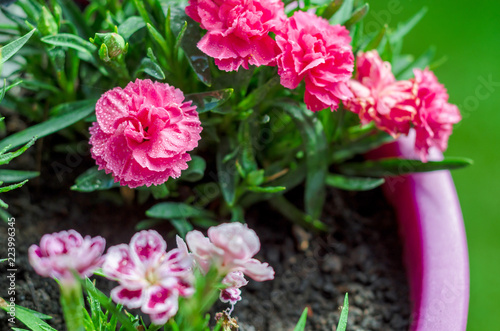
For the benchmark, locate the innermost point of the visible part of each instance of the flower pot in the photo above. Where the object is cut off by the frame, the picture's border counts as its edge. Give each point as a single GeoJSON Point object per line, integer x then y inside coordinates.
{"type": "Point", "coordinates": [433, 238]}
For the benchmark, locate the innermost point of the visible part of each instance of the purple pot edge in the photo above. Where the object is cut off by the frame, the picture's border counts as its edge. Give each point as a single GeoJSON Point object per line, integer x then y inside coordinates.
{"type": "Point", "coordinates": [434, 243]}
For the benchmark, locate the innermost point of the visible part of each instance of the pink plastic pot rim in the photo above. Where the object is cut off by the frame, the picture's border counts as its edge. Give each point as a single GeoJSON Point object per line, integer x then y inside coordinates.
{"type": "Point", "coordinates": [434, 242]}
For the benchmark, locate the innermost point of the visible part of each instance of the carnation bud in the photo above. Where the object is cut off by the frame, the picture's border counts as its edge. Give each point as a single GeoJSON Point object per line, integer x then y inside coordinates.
{"type": "Point", "coordinates": [47, 25]}
{"type": "Point", "coordinates": [112, 45]}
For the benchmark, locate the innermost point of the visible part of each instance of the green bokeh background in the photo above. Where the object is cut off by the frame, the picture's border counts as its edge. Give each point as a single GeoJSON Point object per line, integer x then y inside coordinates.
{"type": "Point", "coordinates": [468, 34]}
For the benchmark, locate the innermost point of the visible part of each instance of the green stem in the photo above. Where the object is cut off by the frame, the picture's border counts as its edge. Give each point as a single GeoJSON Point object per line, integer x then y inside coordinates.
{"type": "Point", "coordinates": [72, 305]}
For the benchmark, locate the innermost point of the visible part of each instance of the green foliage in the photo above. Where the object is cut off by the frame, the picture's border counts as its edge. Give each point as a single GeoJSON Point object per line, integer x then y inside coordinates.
{"type": "Point", "coordinates": [97, 319]}
{"type": "Point", "coordinates": [398, 167]}
{"type": "Point", "coordinates": [33, 320]}
{"type": "Point", "coordinates": [342, 326]}
{"type": "Point", "coordinates": [94, 180]}
{"type": "Point", "coordinates": [7, 51]}
{"type": "Point", "coordinates": [301, 324]}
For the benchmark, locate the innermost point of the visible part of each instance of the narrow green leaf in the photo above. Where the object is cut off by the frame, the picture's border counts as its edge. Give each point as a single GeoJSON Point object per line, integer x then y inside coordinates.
{"type": "Point", "coordinates": [14, 176]}
{"type": "Point", "coordinates": [301, 324]}
{"type": "Point", "coordinates": [4, 215]}
{"type": "Point", "coordinates": [344, 13]}
{"type": "Point", "coordinates": [7, 51]}
{"type": "Point", "coordinates": [139, 5]}
{"type": "Point", "coordinates": [400, 63]}
{"type": "Point", "coordinates": [198, 60]}
{"type": "Point", "coordinates": [73, 14]}
{"type": "Point", "coordinates": [29, 317]}
{"type": "Point", "coordinates": [86, 48]}
{"type": "Point", "coordinates": [287, 209]}
{"type": "Point", "coordinates": [6, 158]}
{"type": "Point", "coordinates": [12, 187]}
{"type": "Point", "coordinates": [315, 147]}
{"type": "Point", "coordinates": [397, 167]}
{"type": "Point", "coordinates": [332, 8]}
{"type": "Point", "coordinates": [210, 101]}
{"type": "Point", "coordinates": [357, 16]}
{"type": "Point", "coordinates": [343, 315]}
{"type": "Point", "coordinates": [6, 88]}
{"type": "Point", "coordinates": [108, 304]}
{"type": "Point", "coordinates": [421, 63]}
{"type": "Point", "coordinates": [54, 124]}
{"type": "Point", "coordinates": [151, 68]}
{"type": "Point", "coordinates": [94, 180]}
{"type": "Point", "coordinates": [360, 146]}
{"type": "Point", "coordinates": [179, 38]}
{"type": "Point", "coordinates": [404, 28]}
{"type": "Point", "coordinates": [195, 170]}
{"type": "Point", "coordinates": [36, 85]}
{"type": "Point", "coordinates": [227, 173]}
{"type": "Point", "coordinates": [258, 95]}
{"type": "Point", "coordinates": [267, 189]}
{"type": "Point", "coordinates": [157, 36]}
{"type": "Point", "coordinates": [176, 210]}
{"type": "Point", "coordinates": [130, 26]}
{"type": "Point", "coordinates": [353, 183]}
{"type": "Point", "coordinates": [375, 42]}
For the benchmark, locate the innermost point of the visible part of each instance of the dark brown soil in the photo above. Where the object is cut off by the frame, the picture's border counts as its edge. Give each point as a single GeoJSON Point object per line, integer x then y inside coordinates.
{"type": "Point", "coordinates": [361, 255]}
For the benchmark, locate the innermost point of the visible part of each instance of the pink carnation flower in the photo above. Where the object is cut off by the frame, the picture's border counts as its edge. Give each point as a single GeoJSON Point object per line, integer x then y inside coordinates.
{"type": "Point", "coordinates": [149, 277]}
{"type": "Point", "coordinates": [319, 53]}
{"type": "Point", "coordinates": [229, 247]}
{"type": "Point", "coordinates": [232, 293]}
{"type": "Point", "coordinates": [378, 97]}
{"type": "Point", "coordinates": [143, 133]}
{"type": "Point", "coordinates": [435, 118]}
{"type": "Point", "coordinates": [238, 30]}
{"type": "Point", "coordinates": [62, 253]}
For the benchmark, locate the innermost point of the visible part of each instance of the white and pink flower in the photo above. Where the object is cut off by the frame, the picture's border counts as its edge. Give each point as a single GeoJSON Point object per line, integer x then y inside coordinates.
{"type": "Point", "coordinates": [232, 293]}
{"type": "Point", "coordinates": [229, 247]}
{"type": "Point", "coordinates": [60, 254]}
{"type": "Point", "coordinates": [149, 277]}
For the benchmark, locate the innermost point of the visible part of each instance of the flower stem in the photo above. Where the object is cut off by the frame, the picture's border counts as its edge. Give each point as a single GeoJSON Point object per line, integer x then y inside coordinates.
{"type": "Point", "coordinates": [72, 305]}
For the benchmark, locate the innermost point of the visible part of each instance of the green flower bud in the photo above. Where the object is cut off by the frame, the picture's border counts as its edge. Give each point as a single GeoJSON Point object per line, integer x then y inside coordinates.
{"type": "Point", "coordinates": [111, 45]}
{"type": "Point", "coordinates": [46, 23]}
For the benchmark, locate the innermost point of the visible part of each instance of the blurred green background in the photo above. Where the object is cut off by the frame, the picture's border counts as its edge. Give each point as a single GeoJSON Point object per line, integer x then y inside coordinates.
{"type": "Point", "coordinates": [468, 35]}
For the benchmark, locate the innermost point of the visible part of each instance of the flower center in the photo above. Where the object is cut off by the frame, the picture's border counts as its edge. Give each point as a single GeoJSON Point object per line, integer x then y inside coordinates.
{"type": "Point", "coordinates": [151, 276]}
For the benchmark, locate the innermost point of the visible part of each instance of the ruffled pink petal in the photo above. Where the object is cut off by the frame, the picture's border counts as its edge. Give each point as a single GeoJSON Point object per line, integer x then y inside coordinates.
{"type": "Point", "coordinates": [112, 106]}
{"type": "Point", "coordinates": [313, 50]}
{"type": "Point", "coordinates": [235, 239]}
{"type": "Point", "coordinates": [160, 299]}
{"type": "Point", "coordinates": [235, 279]}
{"type": "Point", "coordinates": [147, 140]}
{"type": "Point", "coordinates": [119, 264]}
{"type": "Point", "coordinates": [147, 247]}
{"type": "Point", "coordinates": [203, 250]}
{"type": "Point", "coordinates": [238, 31]}
{"type": "Point", "coordinates": [130, 298]}
{"type": "Point", "coordinates": [60, 254]}
{"type": "Point", "coordinates": [257, 270]}
{"type": "Point", "coordinates": [230, 294]}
